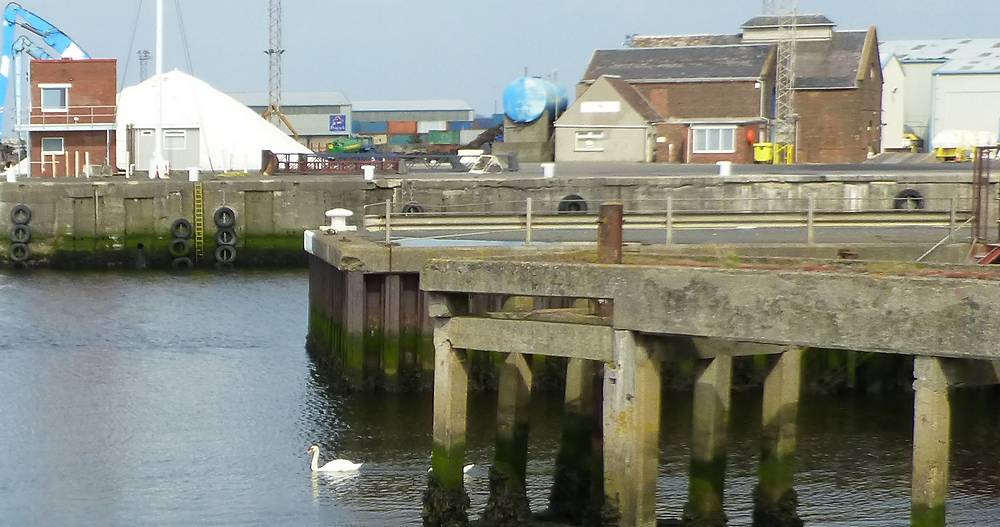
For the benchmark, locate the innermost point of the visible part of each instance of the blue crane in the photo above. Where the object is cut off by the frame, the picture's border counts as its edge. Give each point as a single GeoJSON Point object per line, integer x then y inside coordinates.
{"type": "Point", "coordinates": [14, 16]}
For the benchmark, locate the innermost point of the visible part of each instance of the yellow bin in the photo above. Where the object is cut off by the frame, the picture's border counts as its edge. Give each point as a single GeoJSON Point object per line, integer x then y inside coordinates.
{"type": "Point", "coordinates": [763, 152]}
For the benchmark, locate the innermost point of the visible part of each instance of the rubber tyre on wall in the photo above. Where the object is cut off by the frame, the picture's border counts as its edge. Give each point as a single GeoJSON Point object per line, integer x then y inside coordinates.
{"type": "Point", "coordinates": [412, 208]}
{"type": "Point", "coordinates": [180, 247]}
{"type": "Point", "coordinates": [573, 204]}
{"type": "Point", "coordinates": [909, 199]}
{"type": "Point", "coordinates": [182, 263]}
{"type": "Point", "coordinates": [225, 254]}
{"type": "Point", "coordinates": [225, 237]}
{"type": "Point", "coordinates": [181, 228]}
{"type": "Point", "coordinates": [19, 252]}
{"type": "Point", "coordinates": [20, 214]}
{"type": "Point", "coordinates": [20, 233]}
{"type": "Point", "coordinates": [224, 217]}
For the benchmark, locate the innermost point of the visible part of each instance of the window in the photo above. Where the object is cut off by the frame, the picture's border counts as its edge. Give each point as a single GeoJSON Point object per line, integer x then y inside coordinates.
{"type": "Point", "coordinates": [715, 140]}
{"type": "Point", "coordinates": [55, 98]}
{"type": "Point", "coordinates": [175, 140]}
{"type": "Point", "coordinates": [589, 141]}
{"type": "Point", "coordinates": [53, 146]}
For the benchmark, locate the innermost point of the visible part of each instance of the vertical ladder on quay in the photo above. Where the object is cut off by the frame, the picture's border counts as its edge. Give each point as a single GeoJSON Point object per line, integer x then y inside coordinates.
{"type": "Point", "coordinates": [199, 221]}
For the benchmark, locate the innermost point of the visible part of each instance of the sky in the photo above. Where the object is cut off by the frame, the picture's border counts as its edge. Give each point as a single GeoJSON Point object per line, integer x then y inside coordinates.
{"type": "Point", "coordinates": [445, 49]}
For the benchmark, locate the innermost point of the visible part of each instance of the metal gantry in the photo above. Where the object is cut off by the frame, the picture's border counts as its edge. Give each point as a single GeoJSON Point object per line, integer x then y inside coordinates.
{"type": "Point", "coordinates": [784, 111]}
{"type": "Point", "coordinates": [274, 53]}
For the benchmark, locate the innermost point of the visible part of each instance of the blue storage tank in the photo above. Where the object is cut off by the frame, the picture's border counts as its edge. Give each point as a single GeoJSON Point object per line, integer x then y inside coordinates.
{"type": "Point", "coordinates": [527, 98]}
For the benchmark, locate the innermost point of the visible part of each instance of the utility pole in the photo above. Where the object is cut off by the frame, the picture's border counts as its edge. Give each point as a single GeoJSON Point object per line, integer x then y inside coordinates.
{"type": "Point", "coordinates": [784, 118]}
{"type": "Point", "coordinates": [144, 57]}
{"type": "Point", "coordinates": [159, 166]}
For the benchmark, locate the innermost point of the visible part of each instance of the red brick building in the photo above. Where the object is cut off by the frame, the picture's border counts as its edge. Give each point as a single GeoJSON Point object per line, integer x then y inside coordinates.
{"type": "Point", "coordinates": [72, 120]}
{"type": "Point", "coordinates": [716, 94]}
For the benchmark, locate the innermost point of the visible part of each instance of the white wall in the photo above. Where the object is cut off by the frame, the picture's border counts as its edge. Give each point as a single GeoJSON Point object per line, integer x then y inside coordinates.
{"type": "Point", "coordinates": [917, 105]}
{"type": "Point", "coordinates": [893, 105]}
{"type": "Point", "coordinates": [967, 103]}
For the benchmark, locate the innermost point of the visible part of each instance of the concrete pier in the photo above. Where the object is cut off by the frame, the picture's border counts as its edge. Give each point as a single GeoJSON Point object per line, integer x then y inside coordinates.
{"type": "Point", "coordinates": [508, 500]}
{"type": "Point", "coordinates": [709, 430]}
{"type": "Point", "coordinates": [931, 442]}
{"type": "Point", "coordinates": [775, 500]}
{"type": "Point", "coordinates": [631, 433]}
{"type": "Point", "coordinates": [573, 492]}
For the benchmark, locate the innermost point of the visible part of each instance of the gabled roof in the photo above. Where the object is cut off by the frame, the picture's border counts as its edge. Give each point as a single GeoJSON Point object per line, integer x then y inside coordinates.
{"type": "Point", "coordinates": [634, 99]}
{"type": "Point", "coordinates": [830, 63]}
{"type": "Point", "coordinates": [773, 21]}
{"type": "Point", "coordinates": [683, 41]}
{"type": "Point", "coordinates": [671, 64]}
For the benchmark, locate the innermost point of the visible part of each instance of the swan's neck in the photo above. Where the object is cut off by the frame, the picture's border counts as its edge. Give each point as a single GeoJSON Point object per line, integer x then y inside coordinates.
{"type": "Point", "coordinates": [315, 460]}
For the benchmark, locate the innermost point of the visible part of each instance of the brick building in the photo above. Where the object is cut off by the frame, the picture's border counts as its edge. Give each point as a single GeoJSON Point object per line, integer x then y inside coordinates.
{"type": "Point", "coordinates": [715, 93]}
{"type": "Point", "coordinates": [72, 119]}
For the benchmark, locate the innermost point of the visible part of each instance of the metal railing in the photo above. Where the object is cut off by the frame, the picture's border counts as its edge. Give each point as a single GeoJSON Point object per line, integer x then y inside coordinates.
{"type": "Point", "coordinates": [668, 215]}
{"type": "Point", "coordinates": [320, 164]}
{"type": "Point", "coordinates": [73, 115]}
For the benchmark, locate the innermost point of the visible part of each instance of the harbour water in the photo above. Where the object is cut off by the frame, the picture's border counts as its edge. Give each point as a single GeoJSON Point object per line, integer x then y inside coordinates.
{"type": "Point", "coordinates": [161, 399]}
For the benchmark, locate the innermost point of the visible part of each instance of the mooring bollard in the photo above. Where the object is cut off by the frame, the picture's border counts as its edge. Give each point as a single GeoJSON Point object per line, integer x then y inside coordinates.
{"type": "Point", "coordinates": [609, 233]}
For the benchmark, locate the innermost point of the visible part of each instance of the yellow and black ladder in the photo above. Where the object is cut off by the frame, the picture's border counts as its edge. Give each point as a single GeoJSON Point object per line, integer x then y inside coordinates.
{"type": "Point", "coordinates": [199, 221]}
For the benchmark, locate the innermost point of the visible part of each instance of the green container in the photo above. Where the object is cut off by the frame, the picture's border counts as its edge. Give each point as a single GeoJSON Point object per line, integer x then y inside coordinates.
{"type": "Point", "coordinates": [437, 137]}
{"type": "Point", "coordinates": [404, 139]}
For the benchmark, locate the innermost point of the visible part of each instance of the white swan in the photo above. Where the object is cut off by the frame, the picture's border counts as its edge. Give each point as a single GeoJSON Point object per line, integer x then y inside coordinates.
{"type": "Point", "coordinates": [337, 465]}
{"type": "Point", "coordinates": [465, 469]}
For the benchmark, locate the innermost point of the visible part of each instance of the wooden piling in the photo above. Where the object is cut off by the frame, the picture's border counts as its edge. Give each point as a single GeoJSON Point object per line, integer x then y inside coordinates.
{"type": "Point", "coordinates": [391, 296]}
{"type": "Point", "coordinates": [352, 337]}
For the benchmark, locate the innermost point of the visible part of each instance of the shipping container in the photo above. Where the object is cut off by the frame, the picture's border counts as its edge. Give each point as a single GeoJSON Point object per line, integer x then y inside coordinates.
{"type": "Point", "coordinates": [370, 127]}
{"type": "Point", "coordinates": [402, 127]}
{"type": "Point", "coordinates": [402, 139]}
{"type": "Point", "coordinates": [438, 137]}
{"type": "Point", "coordinates": [426, 127]}
{"type": "Point", "coordinates": [380, 139]}
{"type": "Point", "coordinates": [482, 123]}
{"type": "Point", "coordinates": [454, 126]}
{"type": "Point", "coordinates": [467, 136]}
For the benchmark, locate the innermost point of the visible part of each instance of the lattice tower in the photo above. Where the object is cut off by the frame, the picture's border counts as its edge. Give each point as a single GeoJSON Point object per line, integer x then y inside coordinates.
{"type": "Point", "coordinates": [274, 53]}
{"type": "Point", "coordinates": [784, 118]}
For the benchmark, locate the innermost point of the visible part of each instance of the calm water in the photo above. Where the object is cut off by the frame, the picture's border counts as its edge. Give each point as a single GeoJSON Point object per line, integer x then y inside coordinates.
{"type": "Point", "coordinates": [155, 399]}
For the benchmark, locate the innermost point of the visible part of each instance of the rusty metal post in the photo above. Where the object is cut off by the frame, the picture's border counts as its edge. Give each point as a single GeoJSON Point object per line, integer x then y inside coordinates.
{"type": "Point", "coordinates": [609, 233]}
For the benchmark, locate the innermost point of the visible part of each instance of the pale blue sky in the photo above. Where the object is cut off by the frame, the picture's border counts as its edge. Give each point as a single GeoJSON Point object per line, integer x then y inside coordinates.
{"type": "Point", "coordinates": [400, 49]}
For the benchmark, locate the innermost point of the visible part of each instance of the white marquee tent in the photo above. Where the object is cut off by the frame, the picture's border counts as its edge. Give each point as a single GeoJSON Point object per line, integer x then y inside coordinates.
{"type": "Point", "coordinates": [205, 128]}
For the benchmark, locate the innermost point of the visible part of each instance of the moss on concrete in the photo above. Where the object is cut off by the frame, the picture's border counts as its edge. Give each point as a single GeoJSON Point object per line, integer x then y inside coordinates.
{"type": "Point", "coordinates": [445, 505]}
{"type": "Point", "coordinates": [927, 516]}
{"type": "Point", "coordinates": [704, 507]}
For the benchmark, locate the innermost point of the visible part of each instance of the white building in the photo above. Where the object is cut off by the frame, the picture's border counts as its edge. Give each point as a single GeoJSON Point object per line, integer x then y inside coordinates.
{"type": "Point", "coordinates": [948, 88]}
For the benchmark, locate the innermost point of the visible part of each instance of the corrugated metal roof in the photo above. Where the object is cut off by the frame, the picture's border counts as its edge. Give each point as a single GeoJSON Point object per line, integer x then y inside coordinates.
{"type": "Point", "coordinates": [302, 98]}
{"type": "Point", "coordinates": [957, 56]}
{"type": "Point", "coordinates": [766, 21]}
{"type": "Point", "coordinates": [431, 105]}
{"type": "Point", "coordinates": [680, 63]}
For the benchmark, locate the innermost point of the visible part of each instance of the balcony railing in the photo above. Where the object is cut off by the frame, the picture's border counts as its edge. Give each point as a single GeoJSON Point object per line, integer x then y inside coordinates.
{"type": "Point", "coordinates": [74, 115]}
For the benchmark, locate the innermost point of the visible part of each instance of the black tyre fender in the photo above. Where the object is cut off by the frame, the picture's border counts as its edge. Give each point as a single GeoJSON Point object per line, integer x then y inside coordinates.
{"type": "Point", "coordinates": [224, 217]}
{"type": "Point", "coordinates": [226, 237]}
{"type": "Point", "coordinates": [180, 247]}
{"type": "Point", "coordinates": [574, 203]}
{"type": "Point", "coordinates": [20, 214]}
{"type": "Point", "coordinates": [19, 252]}
{"type": "Point", "coordinates": [909, 199]}
{"type": "Point", "coordinates": [20, 233]}
{"type": "Point", "coordinates": [181, 228]}
{"type": "Point", "coordinates": [182, 263]}
{"type": "Point", "coordinates": [412, 208]}
{"type": "Point", "coordinates": [225, 254]}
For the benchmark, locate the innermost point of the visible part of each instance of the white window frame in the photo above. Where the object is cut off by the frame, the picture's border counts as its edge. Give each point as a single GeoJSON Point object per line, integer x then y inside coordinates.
{"type": "Point", "coordinates": [61, 86]}
{"type": "Point", "coordinates": [175, 133]}
{"type": "Point", "coordinates": [720, 129]}
{"type": "Point", "coordinates": [581, 136]}
{"type": "Point", "coordinates": [62, 151]}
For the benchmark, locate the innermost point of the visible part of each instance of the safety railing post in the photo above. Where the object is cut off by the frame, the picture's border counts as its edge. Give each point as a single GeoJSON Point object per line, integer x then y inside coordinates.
{"type": "Point", "coordinates": [670, 220]}
{"type": "Point", "coordinates": [388, 221]}
{"type": "Point", "coordinates": [952, 215]}
{"type": "Point", "coordinates": [527, 221]}
{"type": "Point", "coordinates": [810, 217]}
